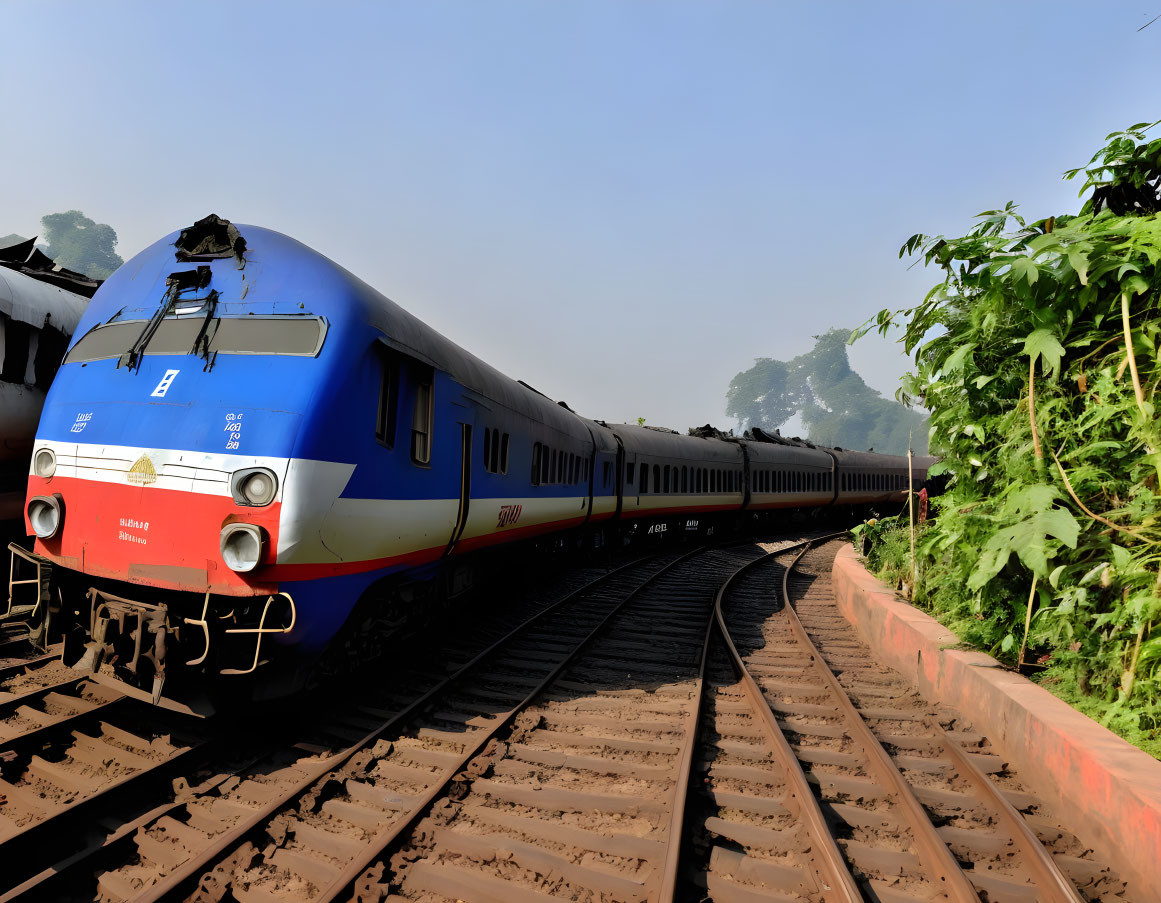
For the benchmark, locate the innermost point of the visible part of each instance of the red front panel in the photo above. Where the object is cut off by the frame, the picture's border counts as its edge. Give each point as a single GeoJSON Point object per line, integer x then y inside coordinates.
{"type": "Point", "coordinates": [157, 537]}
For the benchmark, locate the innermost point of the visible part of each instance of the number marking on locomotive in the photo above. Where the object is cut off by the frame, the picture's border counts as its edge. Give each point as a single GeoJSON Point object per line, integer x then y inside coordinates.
{"type": "Point", "coordinates": [234, 428]}
{"type": "Point", "coordinates": [166, 382]}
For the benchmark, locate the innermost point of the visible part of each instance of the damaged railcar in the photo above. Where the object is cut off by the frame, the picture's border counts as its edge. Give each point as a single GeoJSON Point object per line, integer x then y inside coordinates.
{"type": "Point", "coordinates": [250, 458]}
{"type": "Point", "coordinates": [40, 306]}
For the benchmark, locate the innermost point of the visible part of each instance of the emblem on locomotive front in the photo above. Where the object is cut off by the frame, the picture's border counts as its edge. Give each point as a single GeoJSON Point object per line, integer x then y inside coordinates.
{"type": "Point", "coordinates": [142, 472]}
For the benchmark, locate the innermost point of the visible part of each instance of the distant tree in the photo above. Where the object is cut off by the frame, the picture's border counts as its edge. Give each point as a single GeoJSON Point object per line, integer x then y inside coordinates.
{"type": "Point", "coordinates": [836, 406]}
{"type": "Point", "coordinates": [77, 243]}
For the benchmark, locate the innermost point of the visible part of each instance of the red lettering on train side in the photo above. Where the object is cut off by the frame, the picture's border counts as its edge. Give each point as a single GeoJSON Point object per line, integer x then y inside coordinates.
{"type": "Point", "coordinates": [509, 514]}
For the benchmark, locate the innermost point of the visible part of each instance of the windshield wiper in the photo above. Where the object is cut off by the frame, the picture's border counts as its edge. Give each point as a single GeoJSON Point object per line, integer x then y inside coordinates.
{"type": "Point", "coordinates": [176, 283]}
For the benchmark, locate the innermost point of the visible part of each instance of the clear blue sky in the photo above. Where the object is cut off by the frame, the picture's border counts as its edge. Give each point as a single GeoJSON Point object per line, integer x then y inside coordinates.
{"type": "Point", "coordinates": [622, 203]}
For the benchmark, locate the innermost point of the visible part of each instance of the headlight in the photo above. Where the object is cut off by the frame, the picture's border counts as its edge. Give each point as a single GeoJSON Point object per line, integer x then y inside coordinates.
{"type": "Point", "coordinates": [241, 546]}
{"type": "Point", "coordinates": [45, 512]}
{"type": "Point", "coordinates": [254, 486]}
{"type": "Point", "coordinates": [44, 462]}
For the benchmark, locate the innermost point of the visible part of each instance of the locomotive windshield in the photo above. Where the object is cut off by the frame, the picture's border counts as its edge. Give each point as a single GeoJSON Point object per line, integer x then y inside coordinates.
{"type": "Point", "coordinates": [301, 336]}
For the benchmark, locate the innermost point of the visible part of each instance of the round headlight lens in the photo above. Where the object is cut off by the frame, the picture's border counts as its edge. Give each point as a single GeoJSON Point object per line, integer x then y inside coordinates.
{"type": "Point", "coordinates": [255, 486]}
{"type": "Point", "coordinates": [241, 547]}
{"type": "Point", "coordinates": [44, 514]}
{"type": "Point", "coordinates": [44, 462]}
{"type": "Point", "coordinates": [258, 488]}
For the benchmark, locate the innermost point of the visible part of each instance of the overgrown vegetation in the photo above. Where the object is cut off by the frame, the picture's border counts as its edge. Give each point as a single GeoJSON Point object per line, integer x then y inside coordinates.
{"type": "Point", "coordinates": [836, 406]}
{"type": "Point", "coordinates": [1041, 384]}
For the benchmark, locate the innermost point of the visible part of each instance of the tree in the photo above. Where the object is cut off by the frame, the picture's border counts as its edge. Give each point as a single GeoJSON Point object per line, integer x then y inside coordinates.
{"type": "Point", "coordinates": [77, 243]}
{"type": "Point", "coordinates": [836, 406]}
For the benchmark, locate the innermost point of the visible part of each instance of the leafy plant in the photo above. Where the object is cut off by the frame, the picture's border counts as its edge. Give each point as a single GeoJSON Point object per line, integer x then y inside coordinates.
{"type": "Point", "coordinates": [1038, 357]}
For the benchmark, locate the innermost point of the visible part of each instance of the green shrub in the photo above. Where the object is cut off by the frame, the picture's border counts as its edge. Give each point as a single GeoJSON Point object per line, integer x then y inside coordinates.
{"type": "Point", "coordinates": [1044, 415]}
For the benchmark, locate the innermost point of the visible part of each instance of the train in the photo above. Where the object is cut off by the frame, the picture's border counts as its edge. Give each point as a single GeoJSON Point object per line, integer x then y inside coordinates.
{"type": "Point", "coordinates": [40, 307]}
{"type": "Point", "coordinates": [248, 453]}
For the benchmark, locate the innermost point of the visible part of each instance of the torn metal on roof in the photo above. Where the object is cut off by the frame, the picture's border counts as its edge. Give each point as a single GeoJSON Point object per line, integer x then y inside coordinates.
{"type": "Point", "coordinates": [25, 258]}
{"type": "Point", "coordinates": [37, 303]}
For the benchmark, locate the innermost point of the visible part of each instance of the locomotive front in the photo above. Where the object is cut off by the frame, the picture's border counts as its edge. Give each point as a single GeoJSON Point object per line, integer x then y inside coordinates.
{"type": "Point", "coordinates": [163, 485]}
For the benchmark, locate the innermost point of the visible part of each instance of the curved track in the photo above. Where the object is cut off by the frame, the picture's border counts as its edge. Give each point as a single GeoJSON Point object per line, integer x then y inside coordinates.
{"type": "Point", "coordinates": [702, 726]}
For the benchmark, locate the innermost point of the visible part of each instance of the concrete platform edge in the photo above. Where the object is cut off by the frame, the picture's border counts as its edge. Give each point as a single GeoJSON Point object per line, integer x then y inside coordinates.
{"type": "Point", "coordinates": [1104, 789]}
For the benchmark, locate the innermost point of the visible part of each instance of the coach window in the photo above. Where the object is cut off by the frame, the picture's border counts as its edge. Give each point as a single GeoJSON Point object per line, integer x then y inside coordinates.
{"type": "Point", "coordinates": [665, 478]}
{"type": "Point", "coordinates": [628, 474]}
{"type": "Point", "coordinates": [421, 416]}
{"type": "Point", "coordinates": [535, 463]}
{"type": "Point", "coordinates": [644, 479]}
{"type": "Point", "coordinates": [605, 474]}
{"type": "Point", "coordinates": [487, 449]}
{"type": "Point", "coordinates": [657, 478]}
{"type": "Point", "coordinates": [504, 453]}
{"type": "Point", "coordinates": [496, 451]}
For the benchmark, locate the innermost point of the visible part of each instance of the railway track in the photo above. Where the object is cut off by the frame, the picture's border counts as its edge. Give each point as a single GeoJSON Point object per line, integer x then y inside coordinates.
{"type": "Point", "coordinates": [900, 806]}
{"type": "Point", "coordinates": [253, 769]}
{"type": "Point", "coordinates": [58, 835]}
{"type": "Point", "coordinates": [1006, 847]}
{"type": "Point", "coordinates": [701, 726]}
{"type": "Point", "coordinates": [317, 841]}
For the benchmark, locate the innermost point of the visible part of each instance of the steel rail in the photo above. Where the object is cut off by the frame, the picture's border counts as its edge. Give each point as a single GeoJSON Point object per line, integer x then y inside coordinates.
{"type": "Point", "coordinates": [384, 838]}
{"type": "Point", "coordinates": [182, 873]}
{"type": "Point", "coordinates": [932, 851]}
{"type": "Point", "coordinates": [832, 877]}
{"type": "Point", "coordinates": [1054, 887]}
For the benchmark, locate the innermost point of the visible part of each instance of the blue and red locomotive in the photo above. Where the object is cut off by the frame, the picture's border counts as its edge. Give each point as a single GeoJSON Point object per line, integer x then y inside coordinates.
{"type": "Point", "coordinates": [245, 442]}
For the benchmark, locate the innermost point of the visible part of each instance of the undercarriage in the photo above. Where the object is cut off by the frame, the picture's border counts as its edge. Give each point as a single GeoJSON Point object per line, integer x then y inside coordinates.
{"type": "Point", "coordinates": [145, 642]}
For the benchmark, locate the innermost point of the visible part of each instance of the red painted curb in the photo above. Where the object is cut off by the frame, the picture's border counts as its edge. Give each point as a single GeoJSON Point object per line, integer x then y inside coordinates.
{"type": "Point", "coordinates": [1106, 790]}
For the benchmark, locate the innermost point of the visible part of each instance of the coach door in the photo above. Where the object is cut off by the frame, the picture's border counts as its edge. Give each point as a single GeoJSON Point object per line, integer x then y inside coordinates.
{"type": "Point", "coordinates": [619, 479]}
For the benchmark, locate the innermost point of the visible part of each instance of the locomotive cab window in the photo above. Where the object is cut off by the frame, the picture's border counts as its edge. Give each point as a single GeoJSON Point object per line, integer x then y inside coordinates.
{"type": "Point", "coordinates": [388, 399]}
{"type": "Point", "coordinates": [278, 335]}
